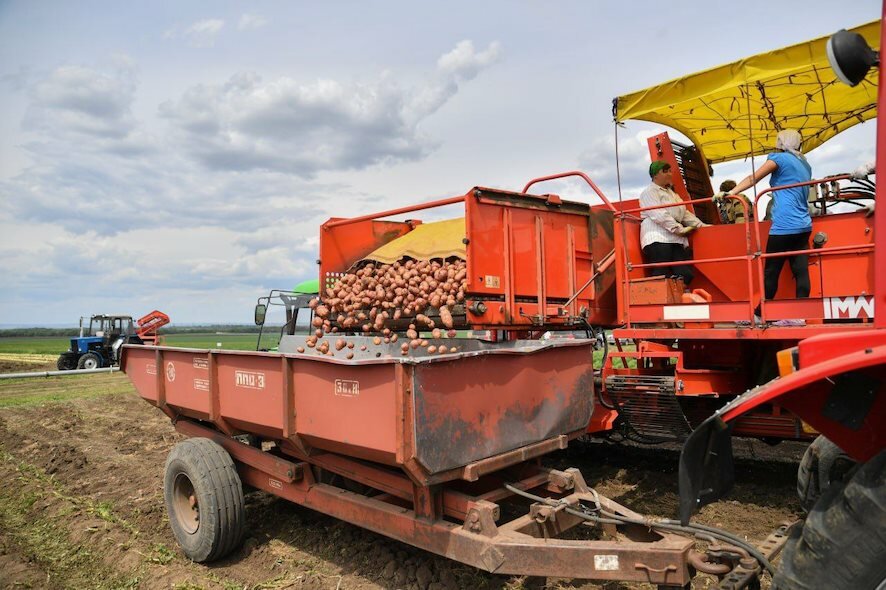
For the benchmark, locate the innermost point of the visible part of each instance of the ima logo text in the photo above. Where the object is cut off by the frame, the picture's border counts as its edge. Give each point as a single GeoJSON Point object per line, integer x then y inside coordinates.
{"type": "Point", "coordinates": [852, 307]}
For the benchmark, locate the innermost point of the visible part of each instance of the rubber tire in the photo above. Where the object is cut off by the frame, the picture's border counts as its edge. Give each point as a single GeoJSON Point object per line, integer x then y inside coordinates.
{"type": "Point", "coordinates": [843, 543]}
{"type": "Point", "coordinates": [823, 464]}
{"type": "Point", "coordinates": [89, 358]}
{"type": "Point", "coordinates": [66, 362]}
{"type": "Point", "coordinates": [219, 495]}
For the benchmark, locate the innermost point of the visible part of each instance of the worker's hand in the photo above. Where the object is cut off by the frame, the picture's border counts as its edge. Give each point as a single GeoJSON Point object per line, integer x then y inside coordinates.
{"type": "Point", "coordinates": [862, 171]}
{"type": "Point", "coordinates": [702, 224]}
{"type": "Point", "coordinates": [685, 230]}
{"type": "Point", "coordinates": [721, 197]}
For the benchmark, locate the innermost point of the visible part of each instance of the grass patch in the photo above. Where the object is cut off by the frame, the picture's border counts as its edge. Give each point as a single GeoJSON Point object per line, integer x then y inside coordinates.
{"type": "Point", "coordinates": [54, 346]}
{"type": "Point", "coordinates": [42, 390]}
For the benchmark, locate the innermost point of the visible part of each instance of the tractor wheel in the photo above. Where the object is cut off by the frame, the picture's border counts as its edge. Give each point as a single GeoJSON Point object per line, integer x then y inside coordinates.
{"type": "Point", "coordinates": [823, 464]}
{"type": "Point", "coordinates": [204, 499]}
{"type": "Point", "coordinates": [66, 362]}
{"type": "Point", "coordinates": [90, 360]}
{"type": "Point", "coordinates": [843, 543]}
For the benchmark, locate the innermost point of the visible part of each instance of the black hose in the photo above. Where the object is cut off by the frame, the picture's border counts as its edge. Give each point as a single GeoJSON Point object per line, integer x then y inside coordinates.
{"type": "Point", "coordinates": [668, 525]}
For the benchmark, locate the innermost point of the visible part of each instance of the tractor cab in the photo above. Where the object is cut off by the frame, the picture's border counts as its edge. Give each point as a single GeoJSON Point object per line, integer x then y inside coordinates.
{"type": "Point", "coordinates": [107, 326]}
{"type": "Point", "coordinates": [296, 314]}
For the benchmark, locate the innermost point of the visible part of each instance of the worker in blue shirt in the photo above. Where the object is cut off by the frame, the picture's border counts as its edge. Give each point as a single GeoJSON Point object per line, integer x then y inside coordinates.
{"type": "Point", "coordinates": [791, 223]}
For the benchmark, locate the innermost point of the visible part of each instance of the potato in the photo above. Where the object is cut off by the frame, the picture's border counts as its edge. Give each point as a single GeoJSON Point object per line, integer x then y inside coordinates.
{"type": "Point", "coordinates": [415, 343]}
{"type": "Point", "coordinates": [451, 333]}
{"type": "Point", "coordinates": [300, 349]}
{"type": "Point", "coordinates": [376, 340]}
{"type": "Point", "coordinates": [350, 345]}
{"type": "Point", "coordinates": [442, 350]}
{"type": "Point", "coordinates": [436, 333]}
{"type": "Point", "coordinates": [432, 349]}
{"type": "Point", "coordinates": [350, 356]}
{"type": "Point", "coordinates": [317, 322]}
{"type": "Point", "coordinates": [446, 317]}
{"type": "Point", "coordinates": [340, 343]}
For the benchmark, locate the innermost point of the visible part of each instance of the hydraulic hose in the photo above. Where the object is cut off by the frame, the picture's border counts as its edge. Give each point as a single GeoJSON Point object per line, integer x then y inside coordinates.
{"type": "Point", "coordinates": [696, 530]}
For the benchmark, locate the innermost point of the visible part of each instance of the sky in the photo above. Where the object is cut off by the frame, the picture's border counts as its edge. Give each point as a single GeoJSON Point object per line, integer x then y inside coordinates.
{"type": "Point", "coordinates": [181, 156]}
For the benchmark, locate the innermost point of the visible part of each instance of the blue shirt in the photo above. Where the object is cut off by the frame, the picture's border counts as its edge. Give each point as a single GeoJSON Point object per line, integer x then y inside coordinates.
{"type": "Point", "coordinates": [790, 210]}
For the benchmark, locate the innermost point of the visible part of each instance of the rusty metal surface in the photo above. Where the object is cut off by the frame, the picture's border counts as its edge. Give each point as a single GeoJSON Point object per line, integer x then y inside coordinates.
{"type": "Point", "coordinates": [485, 405]}
{"type": "Point", "coordinates": [490, 405]}
{"type": "Point", "coordinates": [661, 559]}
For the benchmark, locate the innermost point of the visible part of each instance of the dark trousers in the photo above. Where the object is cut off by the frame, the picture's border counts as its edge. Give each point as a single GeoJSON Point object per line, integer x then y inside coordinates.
{"type": "Point", "coordinates": [799, 264]}
{"type": "Point", "coordinates": [664, 252]}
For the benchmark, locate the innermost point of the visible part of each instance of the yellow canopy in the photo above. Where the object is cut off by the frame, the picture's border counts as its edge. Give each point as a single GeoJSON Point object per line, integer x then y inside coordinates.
{"type": "Point", "coordinates": [440, 239]}
{"type": "Point", "coordinates": [790, 88]}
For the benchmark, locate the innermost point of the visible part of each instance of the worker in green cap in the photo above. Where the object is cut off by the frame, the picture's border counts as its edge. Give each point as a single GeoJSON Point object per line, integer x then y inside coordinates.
{"type": "Point", "coordinates": [663, 232]}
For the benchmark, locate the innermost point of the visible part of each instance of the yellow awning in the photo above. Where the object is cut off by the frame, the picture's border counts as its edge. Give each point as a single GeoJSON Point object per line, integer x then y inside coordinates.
{"type": "Point", "coordinates": [790, 88]}
{"type": "Point", "coordinates": [440, 239]}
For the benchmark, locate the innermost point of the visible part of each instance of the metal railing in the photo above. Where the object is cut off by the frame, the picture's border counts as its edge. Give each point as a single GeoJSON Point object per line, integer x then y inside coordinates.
{"type": "Point", "coordinates": [753, 257]}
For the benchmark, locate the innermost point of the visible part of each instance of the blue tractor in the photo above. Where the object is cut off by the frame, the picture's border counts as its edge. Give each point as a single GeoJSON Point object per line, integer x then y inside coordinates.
{"type": "Point", "coordinates": [99, 344]}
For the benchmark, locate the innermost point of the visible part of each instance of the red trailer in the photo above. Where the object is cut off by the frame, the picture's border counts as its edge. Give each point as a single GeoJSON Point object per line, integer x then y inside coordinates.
{"type": "Point", "coordinates": [429, 450]}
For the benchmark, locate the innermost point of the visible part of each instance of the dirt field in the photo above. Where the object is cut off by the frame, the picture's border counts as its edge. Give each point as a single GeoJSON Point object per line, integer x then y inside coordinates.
{"type": "Point", "coordinates": [81, 505]}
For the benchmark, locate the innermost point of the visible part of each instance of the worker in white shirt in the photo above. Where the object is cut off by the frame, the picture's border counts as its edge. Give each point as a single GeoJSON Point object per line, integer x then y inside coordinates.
{"type": "Point", "coordinates": [663, 231]}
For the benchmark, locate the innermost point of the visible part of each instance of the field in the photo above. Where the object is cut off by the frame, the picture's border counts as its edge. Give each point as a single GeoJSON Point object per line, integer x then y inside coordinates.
{"type": "Point", "coordinates": [54, 346]}
{"type": "Point", "coordinates": [82, 506]}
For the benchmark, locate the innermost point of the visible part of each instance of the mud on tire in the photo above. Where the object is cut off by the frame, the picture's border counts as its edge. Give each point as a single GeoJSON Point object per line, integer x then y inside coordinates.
{"type": "Point", "coordinates": [843, 543]}
{"type": "Point", "coordinates": [204, 499]}
{"type": "Point", "coordinates": [823, 464]}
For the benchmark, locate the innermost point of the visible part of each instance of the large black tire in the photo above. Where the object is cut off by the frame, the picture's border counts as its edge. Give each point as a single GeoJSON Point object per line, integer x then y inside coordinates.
{"type": "Point", "coordinates": [90, 360]}
{"type": "Point", "coordinates": [824, 464]}
{"type": "Point", "coordinates": [843, 543]}
{"type": "Point", "coordinates": [67, 361]}
{"type": "Point", "coordinates": [204, 499]}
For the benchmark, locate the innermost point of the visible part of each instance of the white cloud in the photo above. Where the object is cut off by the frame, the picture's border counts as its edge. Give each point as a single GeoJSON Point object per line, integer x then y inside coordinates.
{"type": "Point", "coordinates": [465, 62]}
{"type": "Point", "coordinates": [84, 101]}
{"type": "Point", "coordinates": [302, 128]}
{"type": "Point", "coordinates": [199, 34]}
{"type": "Point", "coordinates": [251, 21]}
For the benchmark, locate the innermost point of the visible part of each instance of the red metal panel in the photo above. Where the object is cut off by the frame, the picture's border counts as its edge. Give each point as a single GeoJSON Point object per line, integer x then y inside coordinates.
{"type": "Point", "coordinates": [250, 391]}
{"type": "Point", "coordinates": [139, 364]}
{"type": "Point", "coordinates": [477, 407]}
{"type": "Point", "coordinates": [187, 383]}
{"type": "Point", "coordinates": [347, 408]}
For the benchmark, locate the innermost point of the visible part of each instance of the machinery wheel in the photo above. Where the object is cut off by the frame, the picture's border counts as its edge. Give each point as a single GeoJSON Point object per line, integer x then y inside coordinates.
{"type": "Point", "coordinates": [843, 543]}
{"type": "Point", "coordinates": [823, 464]}
{"type": "Point", "coordinates": [90, 360]}
{"type": "Point", "coordinates": [204, 499]}
{"type": "Point", "coordinates": [66, 362]}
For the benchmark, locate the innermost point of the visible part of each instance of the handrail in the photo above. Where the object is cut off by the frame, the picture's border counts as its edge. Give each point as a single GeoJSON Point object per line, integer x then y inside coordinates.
{"type": "Point", "coordinates": [578, 173]}
{"type": "Point", "coordinates": [756, 221]}
{"type": "Point", "coordinates": [750, 256]}
{"type": "Point", "coordinates": [408, 209]}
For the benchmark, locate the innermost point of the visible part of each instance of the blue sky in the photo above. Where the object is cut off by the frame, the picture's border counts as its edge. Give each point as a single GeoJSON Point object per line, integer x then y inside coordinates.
{"type": "Point", "coordinates": [181, 156]}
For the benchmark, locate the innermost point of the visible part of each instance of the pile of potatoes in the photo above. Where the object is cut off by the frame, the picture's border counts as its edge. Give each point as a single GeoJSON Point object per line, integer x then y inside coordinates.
{"type": "Point", "coordinates": [365, 299]}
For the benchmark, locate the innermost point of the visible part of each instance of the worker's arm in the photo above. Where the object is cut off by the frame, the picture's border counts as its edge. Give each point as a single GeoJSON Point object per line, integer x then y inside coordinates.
{"type": "Point", "coordinates": [762, 172]}
{"type": "Point", "coordinates": [659, 216]}
{"type": "Point", "coordinates": [691, 220]}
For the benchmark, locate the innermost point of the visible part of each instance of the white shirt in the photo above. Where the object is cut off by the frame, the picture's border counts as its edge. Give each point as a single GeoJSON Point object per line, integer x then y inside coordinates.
{"type": "Point", "coordinates": [662, 225]}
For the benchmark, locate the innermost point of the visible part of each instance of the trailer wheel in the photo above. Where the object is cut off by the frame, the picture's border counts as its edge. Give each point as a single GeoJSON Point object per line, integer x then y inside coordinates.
{"type": "Point", "coordinates": [843, 543]}
{"type": "Point", "coordinates": [90, 360]}
{"type": "Point", "coordinates": [823, 464]}
{"type": "Point", "coordinates": [204, 499]}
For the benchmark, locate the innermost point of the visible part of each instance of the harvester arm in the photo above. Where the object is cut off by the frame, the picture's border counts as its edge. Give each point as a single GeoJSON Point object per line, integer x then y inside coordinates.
{"type": "Point", "coordinates": [150, 323]}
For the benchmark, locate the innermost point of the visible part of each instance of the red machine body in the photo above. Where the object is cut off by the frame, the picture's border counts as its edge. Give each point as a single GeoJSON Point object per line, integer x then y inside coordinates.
{"type": "Point", "coordinates": [149, 324]}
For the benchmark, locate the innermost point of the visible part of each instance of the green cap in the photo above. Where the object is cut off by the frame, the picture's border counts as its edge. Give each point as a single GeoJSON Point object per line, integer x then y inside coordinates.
{"type": "Point", "coordinates": [656, 167]}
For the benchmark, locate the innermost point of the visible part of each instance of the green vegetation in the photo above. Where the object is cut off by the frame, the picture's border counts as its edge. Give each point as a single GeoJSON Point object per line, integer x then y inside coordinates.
{"type": "Point", "coordinates": [32, 392]}
{"type": "Point", "coordinates": [67, 564]}
{"type": "Point", "coordinates": [56, 345]}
